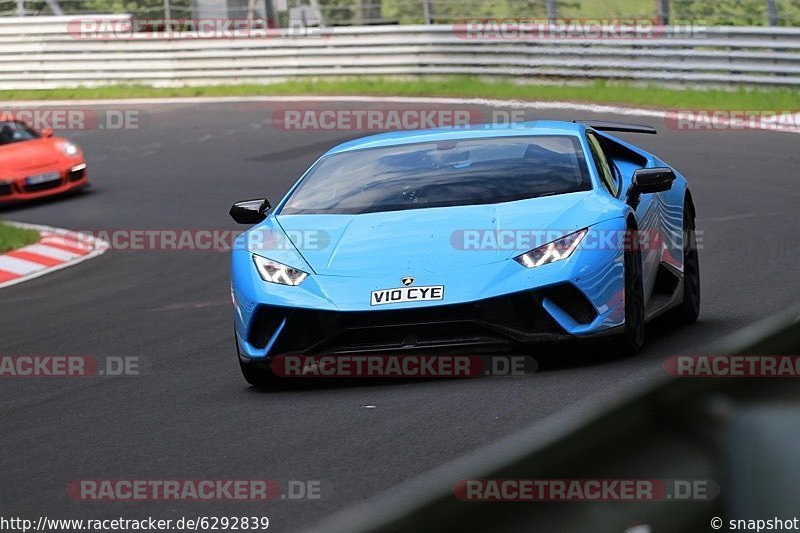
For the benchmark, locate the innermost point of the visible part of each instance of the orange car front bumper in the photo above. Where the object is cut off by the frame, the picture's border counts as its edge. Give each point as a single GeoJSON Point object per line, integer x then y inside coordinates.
{"type": "Point", "coordinates": [44, 183]}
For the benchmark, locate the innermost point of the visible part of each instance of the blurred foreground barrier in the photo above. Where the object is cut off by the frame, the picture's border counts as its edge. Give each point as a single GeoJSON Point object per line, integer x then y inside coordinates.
{"type": "Point", "coordinates": [92, 50]}
{"type": "Point", "coordinates": [741, 434]}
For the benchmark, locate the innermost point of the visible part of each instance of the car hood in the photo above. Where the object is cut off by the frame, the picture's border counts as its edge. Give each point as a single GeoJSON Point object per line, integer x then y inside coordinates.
{"type": "Point", "coordinates": [435, 239]}
{"type": "Point", "coordinates": [25, 155]}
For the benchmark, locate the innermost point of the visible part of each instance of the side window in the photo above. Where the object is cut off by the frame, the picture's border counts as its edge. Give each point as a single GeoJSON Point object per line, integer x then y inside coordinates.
{"type": "Point", "coordinates": [607, 175]}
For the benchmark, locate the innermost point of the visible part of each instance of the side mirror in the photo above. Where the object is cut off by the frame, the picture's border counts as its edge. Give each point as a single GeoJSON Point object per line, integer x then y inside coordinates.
{"type": "Point", "coordinates": [47, 132]}
{"type": "Point", "coordinates": [649, 181]}
{"type": "Point", "coordinates": [250, 211]}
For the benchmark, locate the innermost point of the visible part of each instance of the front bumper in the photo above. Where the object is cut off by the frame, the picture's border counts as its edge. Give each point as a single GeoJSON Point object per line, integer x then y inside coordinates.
{"type": "Point", "coordinates": [495, 305]}
{"type": "Point", "coordinates": [73, 177]}
{"type": "Point", "coordinates": [495, 323]}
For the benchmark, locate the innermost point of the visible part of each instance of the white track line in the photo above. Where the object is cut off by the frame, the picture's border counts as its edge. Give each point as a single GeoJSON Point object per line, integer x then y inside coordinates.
{"type": "Point", "coordinates": [488, 102]}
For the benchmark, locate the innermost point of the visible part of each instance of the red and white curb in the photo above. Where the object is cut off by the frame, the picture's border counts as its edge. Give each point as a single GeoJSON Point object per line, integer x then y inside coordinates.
{"type": "Point", "coordinates": [56, 249]}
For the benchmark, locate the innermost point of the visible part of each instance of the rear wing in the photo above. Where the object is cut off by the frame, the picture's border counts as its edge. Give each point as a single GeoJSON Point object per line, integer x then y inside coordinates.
{"type": "Point", "coordinates": [601, 125]}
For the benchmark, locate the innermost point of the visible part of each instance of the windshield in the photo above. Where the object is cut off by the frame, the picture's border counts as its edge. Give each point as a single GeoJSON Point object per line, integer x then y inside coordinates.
{"type": "Point", "coordinates": [12, 131]}
{"type": "Point", "coordinates": [444, 173]}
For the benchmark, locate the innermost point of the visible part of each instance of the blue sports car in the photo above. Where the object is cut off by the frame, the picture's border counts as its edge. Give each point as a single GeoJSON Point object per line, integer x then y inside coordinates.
{"type": "Point", "coordinates": [462, 240]}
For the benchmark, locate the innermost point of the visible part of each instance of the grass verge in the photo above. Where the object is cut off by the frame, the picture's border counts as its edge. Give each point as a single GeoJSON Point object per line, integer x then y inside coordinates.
{"type": "Point", "coordinates": [12, 237]}
{"type": "Point", "coordinates": [456, 86]}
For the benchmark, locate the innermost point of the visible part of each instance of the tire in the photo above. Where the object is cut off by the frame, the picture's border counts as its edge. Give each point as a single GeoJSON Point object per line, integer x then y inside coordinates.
{"type": "Point", "coordinates": [256, 372]}
{"type": "Point", "coordinates": [689, 309]}
{"type": "Point", "coordinates": [631, 340]}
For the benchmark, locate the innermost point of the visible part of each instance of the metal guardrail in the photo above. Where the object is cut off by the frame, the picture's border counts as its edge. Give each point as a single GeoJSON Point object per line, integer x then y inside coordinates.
{"type": "Point", "coordinates": [38, 52]}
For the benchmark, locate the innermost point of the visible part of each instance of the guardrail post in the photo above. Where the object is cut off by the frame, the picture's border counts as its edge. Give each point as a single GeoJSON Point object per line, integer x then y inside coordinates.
{"type": "Point", "coordinates": [663, 11]}
{"type": "Point", "coordinates": [55, 7]}
{"type": "Point", "coordinates": [772, 10]}
{"type": "Point", "coordinates": [427, 11]}
{"type": "Point", "coordinates": [552, 12]}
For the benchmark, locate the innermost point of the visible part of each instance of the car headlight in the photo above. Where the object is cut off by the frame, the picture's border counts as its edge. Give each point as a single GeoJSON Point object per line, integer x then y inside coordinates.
{"type": "Point", "coordinates": [552, 251]}
{"type": "Point", "coordinates": [275, 272]}
{"type": "Point", "coordinates": [69, 149]}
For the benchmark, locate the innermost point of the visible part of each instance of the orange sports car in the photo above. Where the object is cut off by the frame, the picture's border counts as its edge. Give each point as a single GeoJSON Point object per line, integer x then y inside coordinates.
{"type": "Point", "coordinates": [34, 164]}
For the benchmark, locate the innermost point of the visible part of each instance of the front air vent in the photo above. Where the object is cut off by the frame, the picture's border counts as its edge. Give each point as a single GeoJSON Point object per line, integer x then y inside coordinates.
{"type": "Point", "coordinates": [572, 301]}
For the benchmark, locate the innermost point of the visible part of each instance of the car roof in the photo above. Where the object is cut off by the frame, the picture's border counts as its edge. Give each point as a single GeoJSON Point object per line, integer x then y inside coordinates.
{"type": "Point", "coordinates": [477, 131]}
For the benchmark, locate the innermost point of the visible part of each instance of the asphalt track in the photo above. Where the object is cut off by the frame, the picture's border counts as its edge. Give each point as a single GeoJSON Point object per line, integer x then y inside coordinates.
{"type": "Point", "coordinates": [191, 416]}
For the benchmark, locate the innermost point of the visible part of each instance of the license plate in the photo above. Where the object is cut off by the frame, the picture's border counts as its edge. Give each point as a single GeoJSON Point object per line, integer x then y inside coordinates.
{"type": "Point", "coordinates": [407, 294]}
{"type": "Point", "coordinates": [42, 178]}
